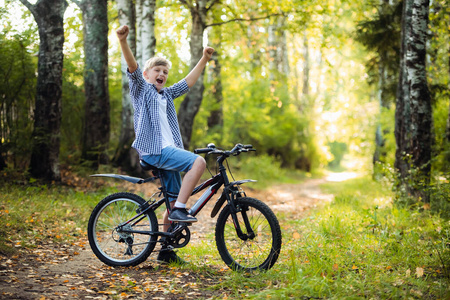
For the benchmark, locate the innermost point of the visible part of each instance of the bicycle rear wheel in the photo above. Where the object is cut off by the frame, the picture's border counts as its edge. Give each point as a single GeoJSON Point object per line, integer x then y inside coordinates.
{"type": "Point", "coordinates": [258, 251]}
{"type": "Point", "coordinates": [113, 246]}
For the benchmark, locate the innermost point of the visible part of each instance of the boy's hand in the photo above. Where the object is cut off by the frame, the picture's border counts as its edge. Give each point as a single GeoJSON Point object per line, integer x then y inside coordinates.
{"type": "Point", "coordinates": [207, 52]}
{"type": "Point", "coordinates": [122, 32]}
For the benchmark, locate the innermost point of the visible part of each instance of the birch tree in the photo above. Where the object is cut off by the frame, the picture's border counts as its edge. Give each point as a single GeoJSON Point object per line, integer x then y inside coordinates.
{"type": "Point", "coordinates": [215, 119]}
{"type": "Point", "coordinates": [413, 129]}
{"type": "Point", "coordinates": [146, 40]}
{"type": "Point", "coordinates": [402, 104]}
{"type": "Point", "coordinates": [421, 111]}
{"type": "Point", "coordinates": [49, 16]}
{"type": "Point", "coordinates": [124, 156]}
{"type": "Point", "coordinates": [96, 128]}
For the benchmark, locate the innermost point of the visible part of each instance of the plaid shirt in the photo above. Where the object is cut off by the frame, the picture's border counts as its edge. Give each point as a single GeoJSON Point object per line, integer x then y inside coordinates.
{"type": "Point", "coordinates": [147, 126]}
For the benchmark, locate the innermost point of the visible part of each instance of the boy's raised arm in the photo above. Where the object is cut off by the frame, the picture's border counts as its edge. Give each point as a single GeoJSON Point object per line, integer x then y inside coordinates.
{"type": "Point", "coordinates": [195, 73]}
{"type": "Point", "coordinates": [122, 34]}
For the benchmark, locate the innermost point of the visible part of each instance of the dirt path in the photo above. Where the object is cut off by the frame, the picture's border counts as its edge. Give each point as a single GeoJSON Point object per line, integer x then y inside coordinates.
{"type": "Point", "coordinates": [55, 271]}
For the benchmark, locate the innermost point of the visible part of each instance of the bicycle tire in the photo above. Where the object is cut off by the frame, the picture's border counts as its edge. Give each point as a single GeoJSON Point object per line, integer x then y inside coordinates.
{"type": "Point", "coordinates": [259, 253]}
{"type": "Point", "coordinates": [110, 246]}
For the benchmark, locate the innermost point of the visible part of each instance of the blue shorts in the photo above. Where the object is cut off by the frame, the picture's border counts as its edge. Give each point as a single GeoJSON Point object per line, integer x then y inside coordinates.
{"type": "Point", "coordinates": [172, 160]}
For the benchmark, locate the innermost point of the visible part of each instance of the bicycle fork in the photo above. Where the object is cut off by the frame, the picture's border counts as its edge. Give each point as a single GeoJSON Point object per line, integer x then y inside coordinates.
{"type": "Point", "coordinates": [234, 216]}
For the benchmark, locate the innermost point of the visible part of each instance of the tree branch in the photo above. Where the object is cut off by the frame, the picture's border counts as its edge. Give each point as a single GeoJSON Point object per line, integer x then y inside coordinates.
{"type": "Point", "coordinates": [245, 20]}
{"type": "Point", "coordinates": [28, 5]}
{"type": "Point", "coordinates": [187, 4]}
{"type": "Point", "coordinates": [213, 2]}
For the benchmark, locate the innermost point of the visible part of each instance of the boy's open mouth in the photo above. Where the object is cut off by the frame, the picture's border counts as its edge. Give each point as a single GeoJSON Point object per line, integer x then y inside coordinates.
{"type": "Point", "coordinates": [159, 81]}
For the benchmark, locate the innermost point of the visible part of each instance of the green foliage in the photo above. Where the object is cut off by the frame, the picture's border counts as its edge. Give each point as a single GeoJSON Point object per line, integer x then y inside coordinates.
{"type": "Point", "coordinates": [17, 92]}
{"type": "Point", "coordinates": [338, 150]}
{"type": "Point", "coordinates": [439, 82]}
{"type": "Point", "coordinates": [73, 95]}
{"type": "Point", "coordinates": [263, 168]}
{"type": "Point", "coordinates": [439, 197]}
{"type": "Point", "coordinates": [380, 34]}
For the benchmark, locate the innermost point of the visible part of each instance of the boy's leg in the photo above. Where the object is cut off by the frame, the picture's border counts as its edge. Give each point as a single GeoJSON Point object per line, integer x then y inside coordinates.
{"type": "Point", "coordinates": [190, 180]}
{"type": "Point", "coordinates": [179, 213]}
{"type": "Point", "coordinates": [172, 183]}
{"type": "Point", "coordinates": [180, 160]}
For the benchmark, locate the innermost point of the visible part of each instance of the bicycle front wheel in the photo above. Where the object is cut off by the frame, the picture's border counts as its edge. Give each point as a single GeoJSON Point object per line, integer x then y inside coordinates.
{"type": "Point", "coordinates": [114, 245]}
{"type": "Point", "coordinates": [260, 244]}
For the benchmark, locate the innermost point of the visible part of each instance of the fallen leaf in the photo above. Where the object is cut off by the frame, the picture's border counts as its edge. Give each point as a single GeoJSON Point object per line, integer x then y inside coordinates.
{"type": "Point", "coordinates": [419, 272]}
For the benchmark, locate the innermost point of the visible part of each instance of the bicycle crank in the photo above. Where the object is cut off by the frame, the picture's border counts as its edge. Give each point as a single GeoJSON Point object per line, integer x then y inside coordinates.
{"type": "Point", "coordinates": [180, 235]}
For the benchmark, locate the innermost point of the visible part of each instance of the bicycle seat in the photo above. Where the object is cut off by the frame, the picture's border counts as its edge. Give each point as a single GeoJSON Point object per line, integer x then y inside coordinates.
{"type": "Point", "coordinates": [146, 166]}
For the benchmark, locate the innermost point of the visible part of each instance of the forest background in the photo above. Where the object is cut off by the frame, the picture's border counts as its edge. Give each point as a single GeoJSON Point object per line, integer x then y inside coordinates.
{"type": "Point", "coordinates": [305, 82]}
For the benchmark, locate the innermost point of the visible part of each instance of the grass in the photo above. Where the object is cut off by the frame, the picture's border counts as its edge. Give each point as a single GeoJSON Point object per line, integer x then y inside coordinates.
{"type": "Point", "coordinates": [357, 247]}
{"type": "Point", "coordinates": [31, 214]}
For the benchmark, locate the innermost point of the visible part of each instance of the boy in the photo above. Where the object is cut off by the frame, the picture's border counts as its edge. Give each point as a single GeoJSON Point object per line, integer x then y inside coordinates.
{"type": "Point", "coordinates": [158, 137]}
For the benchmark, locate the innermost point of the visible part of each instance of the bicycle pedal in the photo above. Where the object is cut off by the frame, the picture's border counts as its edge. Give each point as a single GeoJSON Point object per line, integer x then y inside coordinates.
{"type": "Point", "coordinates": [184, 224]}
{"type": "Point", "coordinates": [167, 247]}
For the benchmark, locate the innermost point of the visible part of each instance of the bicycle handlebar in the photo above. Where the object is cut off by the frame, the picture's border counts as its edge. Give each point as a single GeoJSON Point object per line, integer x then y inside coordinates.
{"type": "Point", "coordinates": [203, 150]}
{"type": "Point", "coordinates": [238, 148]}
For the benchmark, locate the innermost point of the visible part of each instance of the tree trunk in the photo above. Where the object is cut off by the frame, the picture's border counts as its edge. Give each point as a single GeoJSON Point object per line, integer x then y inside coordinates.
{"type": "Point", "coordinates": [278, 63]}
{"type": "Point", "coordinates": [191, 103]}
{"type": "Point", "coordinates": [380, 140]}
{"type": "Point", "coordinates": [272, 45]}
{"type": "Point", "coordinates": [145, 37]}
{"type": "Point", "coordinates": [413, 111]}
{"type": "Point", "coordinates": [2, 160]}
{"type": "Point", "coordinates": [139, 19]}
{"type": "Point", "coordinates": [421, 111]}
{"type": "Point", "coordinates": [306, 70]}
{"type": "Point", "coordinates": [147, 33]}
{"type": "Point", "coordinates": [49, 16]}
{"type": "Point", "coordinates": [282, 49]}
{"type": "Point", "coordinates": [96, 127]}
{"type": "Point", "coordinates": [125, 157]}
{"type": "Point", "coordinates": [215, 119]}
{"type": "Point", "coordinates": [402, 105]}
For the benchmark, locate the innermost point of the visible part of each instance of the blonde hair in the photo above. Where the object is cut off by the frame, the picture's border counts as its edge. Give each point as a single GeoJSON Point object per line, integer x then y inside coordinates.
{"type": "Point", "coordinates": [156, 61]}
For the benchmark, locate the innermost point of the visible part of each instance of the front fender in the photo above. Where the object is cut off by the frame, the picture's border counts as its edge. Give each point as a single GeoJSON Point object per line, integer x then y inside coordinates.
{"type": "Point", "coordinates": [239, 182]}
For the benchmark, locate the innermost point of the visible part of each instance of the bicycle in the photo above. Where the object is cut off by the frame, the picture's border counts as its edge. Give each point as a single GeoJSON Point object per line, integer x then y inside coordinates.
{"type": "Point", "coordinates": [123, 227]}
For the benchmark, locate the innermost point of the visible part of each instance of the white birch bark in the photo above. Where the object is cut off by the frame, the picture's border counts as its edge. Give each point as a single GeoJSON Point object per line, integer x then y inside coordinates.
{"type": "Point", "coordinates": [147, 30]}
{"type": "Point", "coordinates": [139, 19]}
{"type": "Point", "coordinates": [124, 157]}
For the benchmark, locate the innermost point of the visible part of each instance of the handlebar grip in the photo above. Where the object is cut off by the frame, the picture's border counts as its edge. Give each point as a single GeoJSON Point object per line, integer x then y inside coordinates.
{"type": "Point", "coordinates": [203, 150]}
{"type": "Point", "coordinates": [248, 146]}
